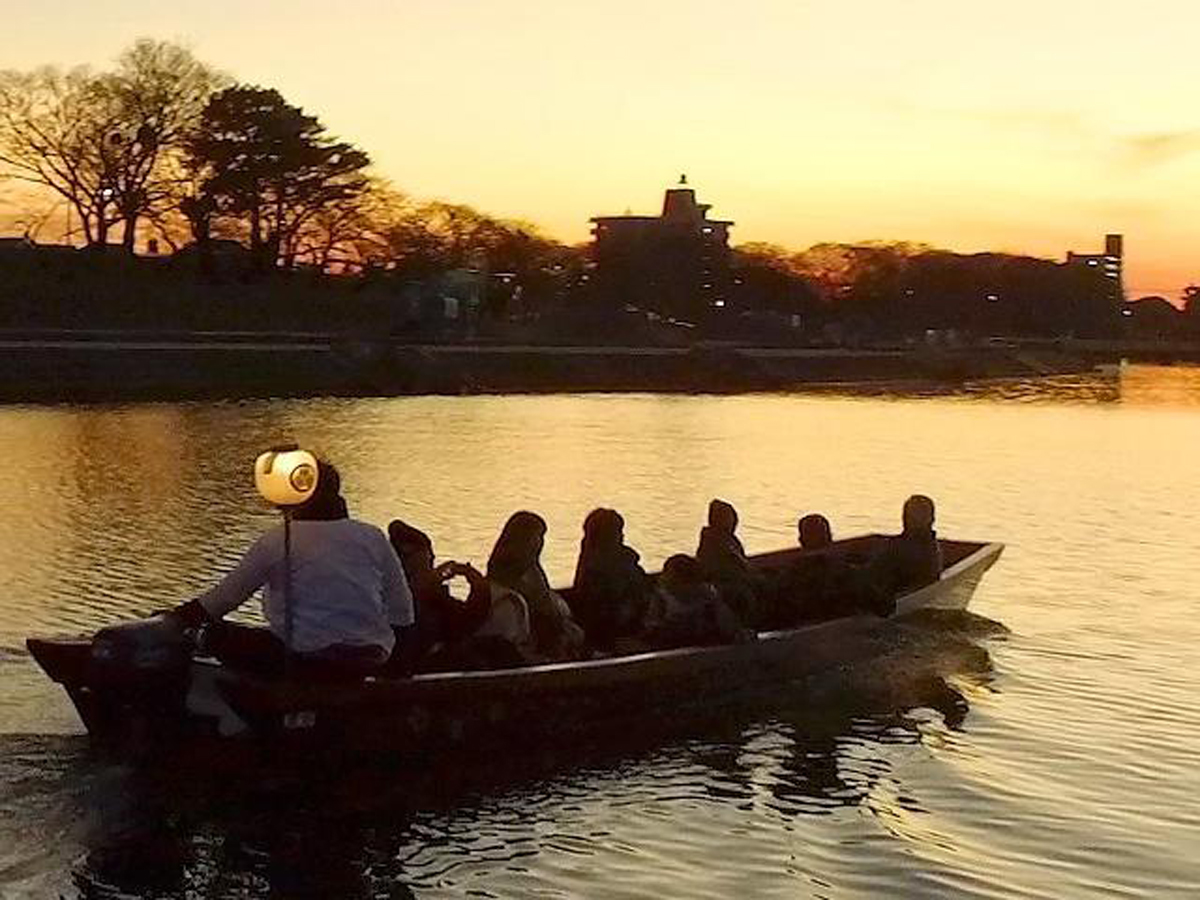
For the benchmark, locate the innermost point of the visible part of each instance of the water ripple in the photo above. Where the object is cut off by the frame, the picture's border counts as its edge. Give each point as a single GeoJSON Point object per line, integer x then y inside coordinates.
{"type": "Point", "coordinates": [1049, 757]}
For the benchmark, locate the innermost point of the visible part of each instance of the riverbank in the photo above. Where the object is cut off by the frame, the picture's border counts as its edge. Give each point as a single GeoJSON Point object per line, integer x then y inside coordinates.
{"type": "Point", "coordinates": [106, 367]}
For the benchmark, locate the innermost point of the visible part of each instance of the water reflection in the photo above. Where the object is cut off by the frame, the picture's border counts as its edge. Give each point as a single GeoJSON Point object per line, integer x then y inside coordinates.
{"type": "Point", "coordinates": [807, 750]}
{"type": "Point", "coordinates": [1079, 778]}
{"type": "Point", "coordinates": [113, 511]}
{"type": "Point", "coordinates": [1173, 386]}
{"type": "Point", "coordinates": [1129, 385]}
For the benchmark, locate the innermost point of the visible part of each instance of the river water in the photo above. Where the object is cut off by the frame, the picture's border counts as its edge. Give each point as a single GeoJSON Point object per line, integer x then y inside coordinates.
{"type": "Point", "coordinates": [1058, 756]}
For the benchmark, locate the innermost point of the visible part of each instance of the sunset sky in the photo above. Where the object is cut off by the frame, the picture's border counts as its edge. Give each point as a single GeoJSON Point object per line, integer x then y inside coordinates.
{"type": "Point", "coordinates": [1030, 127]}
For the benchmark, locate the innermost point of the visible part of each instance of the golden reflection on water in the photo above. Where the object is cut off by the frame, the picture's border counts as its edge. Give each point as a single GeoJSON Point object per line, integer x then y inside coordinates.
{"type": "Point", "coordinates": [1078, 750]}
{"type": "Point", "coordinates": [1177, 386]}
{"type": "Point", "coordinates": [120, 508]}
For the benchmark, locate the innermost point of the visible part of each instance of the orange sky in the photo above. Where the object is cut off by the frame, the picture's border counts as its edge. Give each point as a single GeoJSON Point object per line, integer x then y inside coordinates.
{"type": "Point", "coordinates": [1030, 127]}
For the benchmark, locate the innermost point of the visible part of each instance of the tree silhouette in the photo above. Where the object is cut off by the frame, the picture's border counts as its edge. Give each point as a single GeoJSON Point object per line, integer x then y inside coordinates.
{"type": "Point", "coordinates": [423, 239]}
{"type": "Point", "coordinates": [260, 159]}
{"type": "Point", "coordinates": [52, 132]}
{"type": "Point", "coordinates": [107, 143]}
{"type": "Point", "coordinates": [161, 91]}
{"type": "Point", "coordinates": [350, 233]}
{"type": "Point", "coordinates": [766, 278]}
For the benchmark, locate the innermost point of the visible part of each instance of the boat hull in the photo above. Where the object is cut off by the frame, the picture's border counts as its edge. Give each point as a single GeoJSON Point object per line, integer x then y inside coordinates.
{"type": "Point", "coordinates": [436, 713]}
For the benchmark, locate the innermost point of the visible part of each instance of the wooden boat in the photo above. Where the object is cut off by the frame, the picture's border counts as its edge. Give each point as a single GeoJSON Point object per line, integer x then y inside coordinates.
{"type": "Point", "coordinates": [433, 713]}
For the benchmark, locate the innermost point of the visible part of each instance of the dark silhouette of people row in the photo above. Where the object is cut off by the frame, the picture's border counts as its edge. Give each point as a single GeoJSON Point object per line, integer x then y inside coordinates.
{"type": "Point", "coordinates": [346, 602]}
{"type": "Point", "coordinates": [513, 617]}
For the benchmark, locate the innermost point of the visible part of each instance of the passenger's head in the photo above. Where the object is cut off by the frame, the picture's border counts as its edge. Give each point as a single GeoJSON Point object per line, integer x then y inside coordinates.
{"type": "Point", "coordinates": [815, 533]}
{"type": "Point", "coordinates": [722, 516]}
{"type": "Point", "coordinates": [681, 571]}
{"type": "Point", "coordinates": [326, 501]}
{"type": "Point", "coordinates": [518, 548]}
{"type": "Point", "coordinates": [918, 513]}
{"type": "Point", "coordinates": [603, 529]}
{"type": "Point", "coordinates": [414, 548]}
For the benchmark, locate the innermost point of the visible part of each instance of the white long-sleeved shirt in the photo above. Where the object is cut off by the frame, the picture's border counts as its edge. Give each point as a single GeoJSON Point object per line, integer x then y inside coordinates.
{"type": "Point", "coordinates": [347, 585]}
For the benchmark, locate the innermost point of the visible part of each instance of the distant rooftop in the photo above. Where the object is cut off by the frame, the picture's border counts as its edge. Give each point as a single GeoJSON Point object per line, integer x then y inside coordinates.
{"type": "Point", "coordinates": [679, 205]}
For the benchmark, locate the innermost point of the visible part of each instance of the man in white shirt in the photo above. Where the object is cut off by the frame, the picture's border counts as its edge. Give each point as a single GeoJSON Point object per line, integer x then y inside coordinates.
{"type": "Point", "coordinates": [346, 592]}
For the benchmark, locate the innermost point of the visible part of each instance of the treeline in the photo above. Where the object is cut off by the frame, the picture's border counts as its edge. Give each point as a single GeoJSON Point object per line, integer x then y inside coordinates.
{"type": "Point", "coordinates": [162, 147]}
{"type": "Point", "coordinates": [887, 290]}
{"type": "Point", "coordinates": [1157, 319]}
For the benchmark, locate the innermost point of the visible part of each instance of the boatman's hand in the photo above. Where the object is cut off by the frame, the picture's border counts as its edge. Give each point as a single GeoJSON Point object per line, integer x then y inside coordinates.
{"type": "Point", "coordinates": [191, 614]}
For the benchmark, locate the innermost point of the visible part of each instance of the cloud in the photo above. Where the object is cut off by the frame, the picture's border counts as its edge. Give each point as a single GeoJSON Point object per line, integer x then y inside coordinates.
{"type": "Point", "coordinates": [1045, 122]}
{"type": "Point", "coordinates": [1116, 210]}
{"type": "Point", "coordinates": [1057, 123]}
{"type": "Point", "coordinates": [1146, 150]}
{"type": "Point", "coordinates": [1067, 129]}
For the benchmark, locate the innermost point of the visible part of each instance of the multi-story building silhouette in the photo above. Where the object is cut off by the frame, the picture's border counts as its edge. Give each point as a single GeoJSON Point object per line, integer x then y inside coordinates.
{"type": "Point", "coordinates": [1107, 265]}
{"type": "Point", "coordinates": [676, 263]}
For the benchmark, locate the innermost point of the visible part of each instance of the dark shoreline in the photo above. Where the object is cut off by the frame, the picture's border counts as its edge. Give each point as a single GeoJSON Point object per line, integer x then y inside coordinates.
{"type": "Point", "coordinates": [109, 367]}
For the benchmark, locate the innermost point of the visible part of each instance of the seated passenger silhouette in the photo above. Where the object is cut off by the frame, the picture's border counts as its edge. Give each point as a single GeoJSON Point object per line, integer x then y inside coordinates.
{"type": "Point", "coordinates": [441, 618]}
{"type": "Point", "coordinates": [721, 554]}
{"type": "Point", "coordinates": [912, 559]}
{"type": "Point", "coordinates": [824, 582]}
{"type": "Point", "coordinates": [722, 560]}
{"type": "Point", "coordinates": [811, 588]}
{"type": "Point", "coordinates": [611, 588]}
{"type": "Point", "coordinates": [686, 610]}
{"type": "Point", "coordinates": [515, 566]}
{"type": "Point", "coordinates": [814, 532]}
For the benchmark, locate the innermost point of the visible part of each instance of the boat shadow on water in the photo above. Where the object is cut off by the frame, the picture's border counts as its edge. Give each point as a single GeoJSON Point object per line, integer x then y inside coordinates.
{"type": "Point", "coordinates": [280, 829]}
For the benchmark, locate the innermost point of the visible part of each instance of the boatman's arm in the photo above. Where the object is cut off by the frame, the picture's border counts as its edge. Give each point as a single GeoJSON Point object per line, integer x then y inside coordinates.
{"type": "Point", "coordinates": [239, 585]}
{"type": "Point", "coordinates": [397, 597]}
